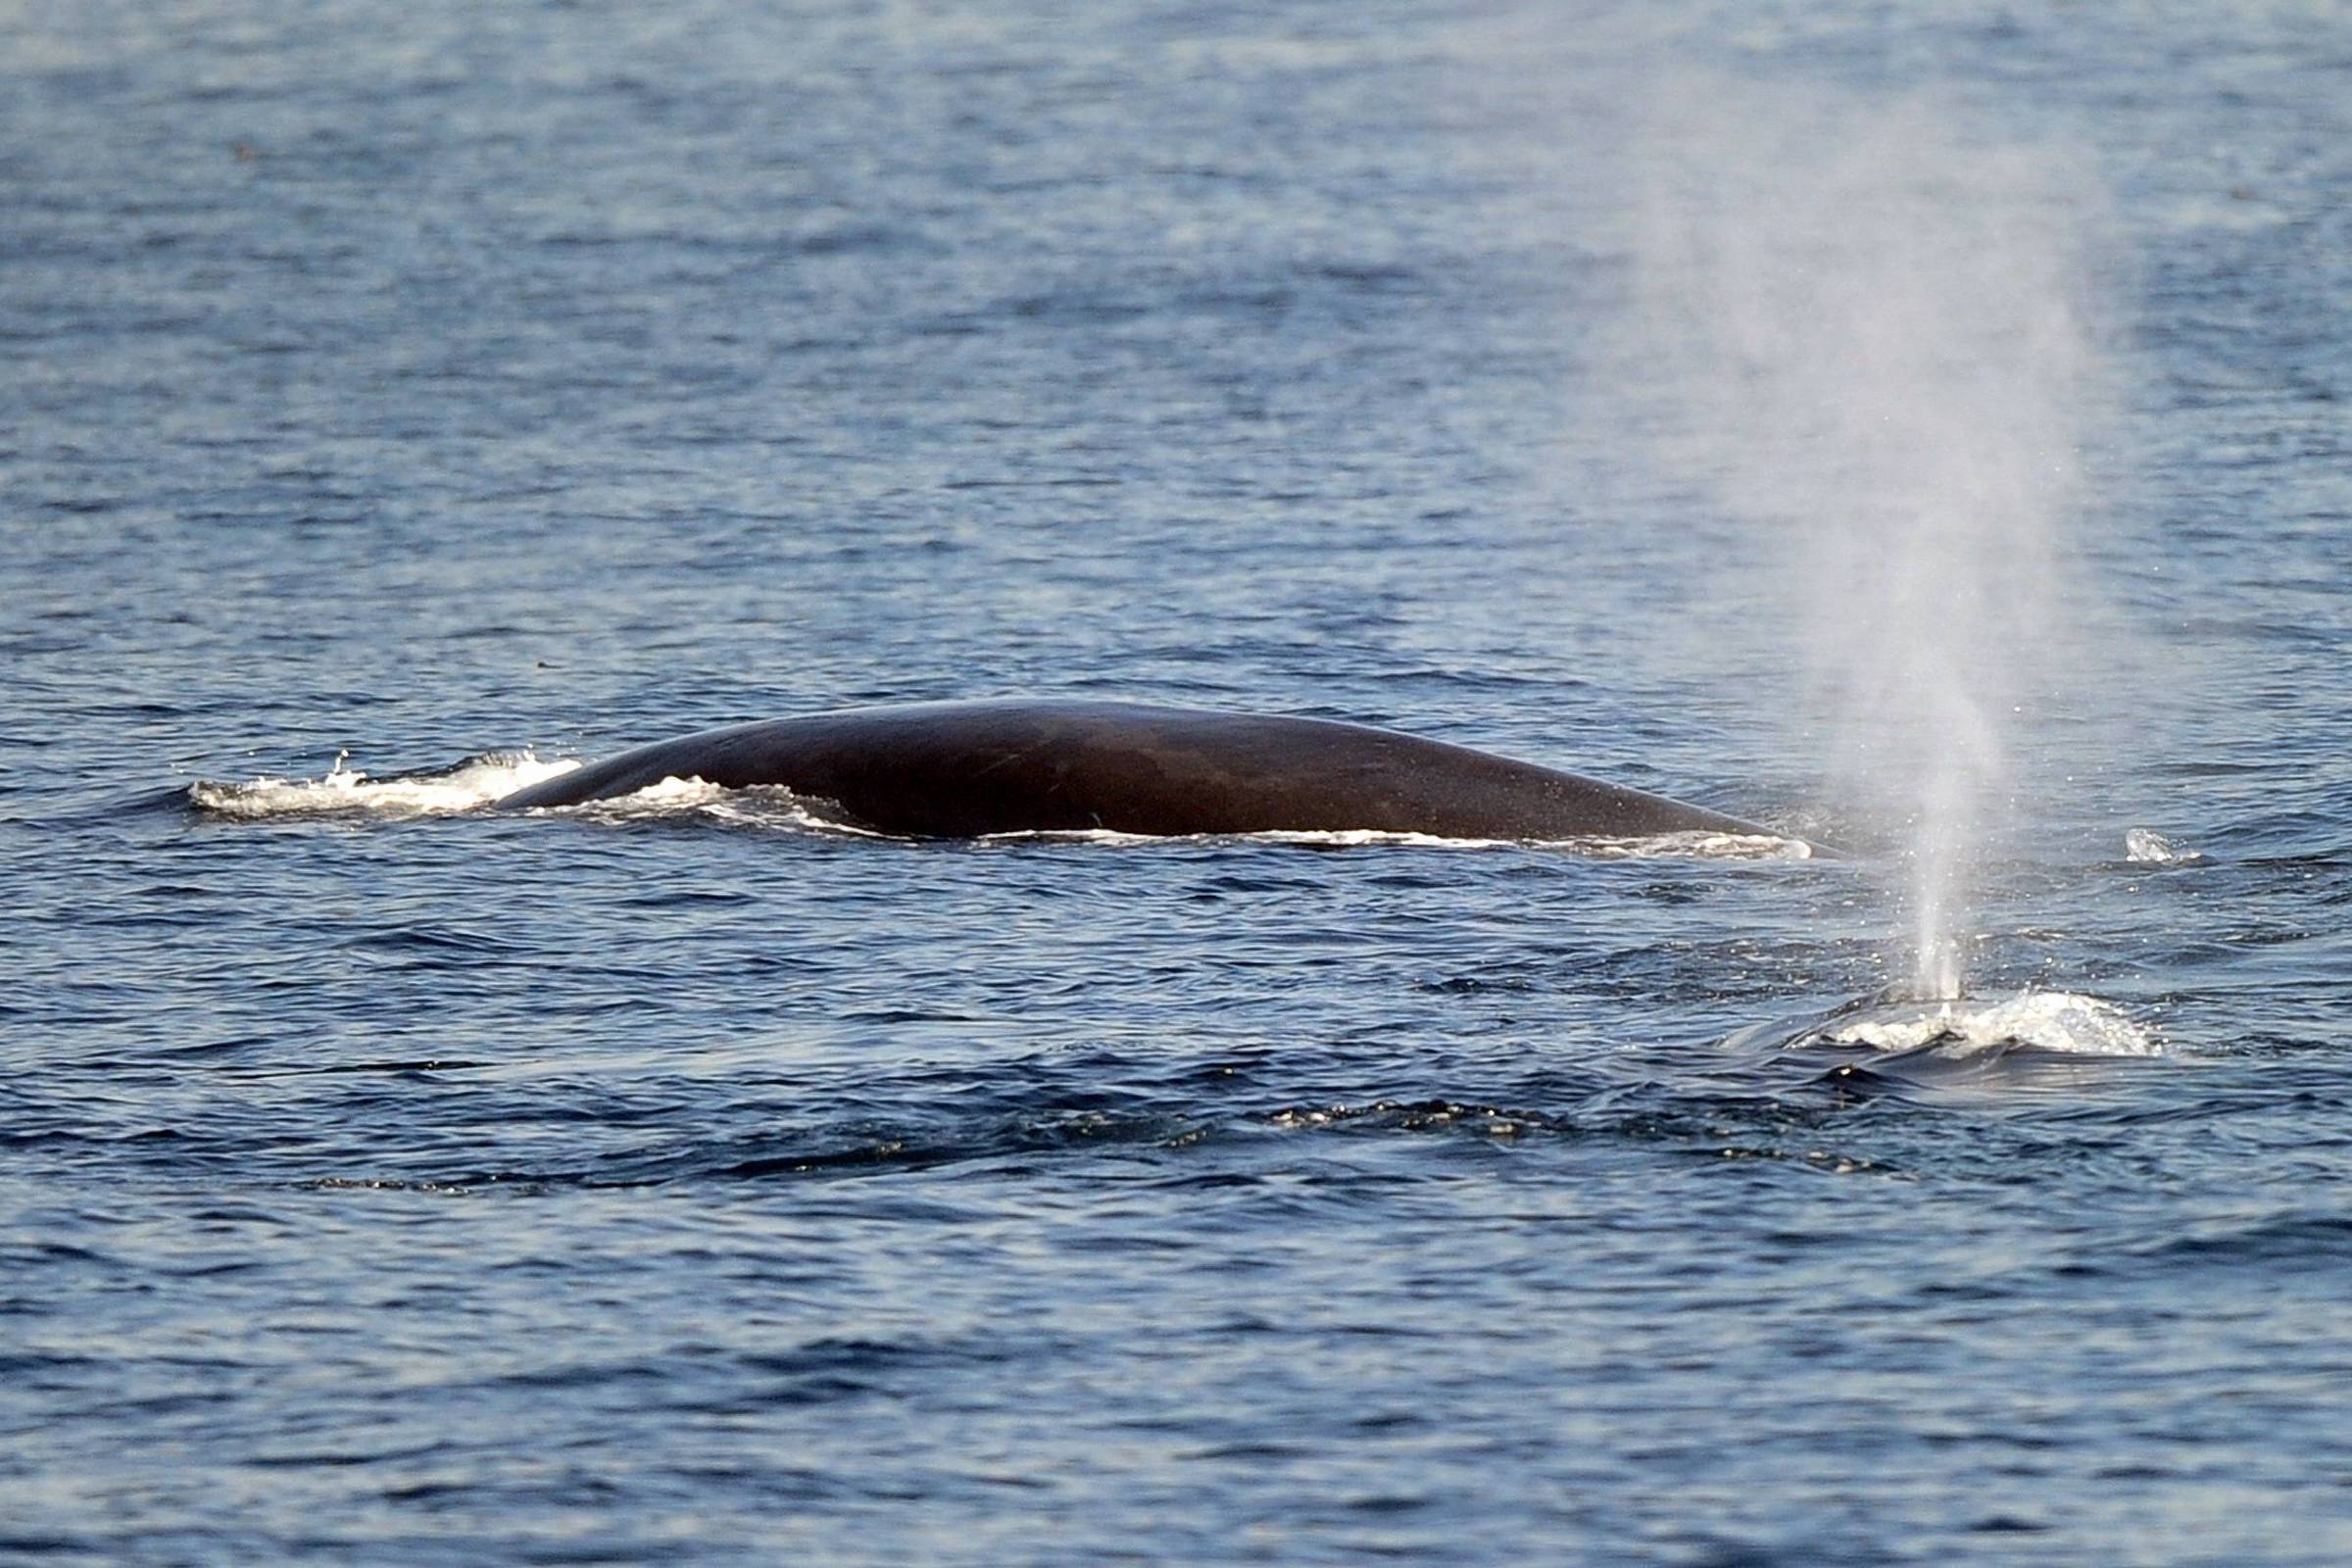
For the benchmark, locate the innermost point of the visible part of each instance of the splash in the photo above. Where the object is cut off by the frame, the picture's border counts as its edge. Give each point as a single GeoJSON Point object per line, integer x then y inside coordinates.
{"type": "Point", "coordinates": [346, 791]}
{"type": "Point", "coordinates": [2059, 1022]}
{"type": "Point", "coordinates": [2147, 847]}
{"type": "Point", "coordinates": [764, 806]}
{"type": "Point", "coordinates": [1868, 324]}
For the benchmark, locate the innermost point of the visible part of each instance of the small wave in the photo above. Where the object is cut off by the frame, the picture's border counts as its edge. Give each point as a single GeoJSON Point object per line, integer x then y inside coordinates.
{"type": "Point", "coordinates": [2061, 1022]}
{"type": "Point", "coordinates": [1427, 1115]}
{"type": "Point", "coordinates": [346, 791]}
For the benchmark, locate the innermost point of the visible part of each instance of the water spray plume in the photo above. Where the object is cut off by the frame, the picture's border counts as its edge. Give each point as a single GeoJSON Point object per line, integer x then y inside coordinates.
{"type": "Point", "coordinates": [1868, 326]}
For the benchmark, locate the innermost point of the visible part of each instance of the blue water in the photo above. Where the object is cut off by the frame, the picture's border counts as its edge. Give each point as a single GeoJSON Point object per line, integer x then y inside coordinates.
{"type": "Point", "coordinates": [685, 1185]}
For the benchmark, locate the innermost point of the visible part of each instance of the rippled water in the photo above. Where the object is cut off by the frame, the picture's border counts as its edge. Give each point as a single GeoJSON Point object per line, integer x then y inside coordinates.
{"type": "Point", "coordinates": [394, 1181]}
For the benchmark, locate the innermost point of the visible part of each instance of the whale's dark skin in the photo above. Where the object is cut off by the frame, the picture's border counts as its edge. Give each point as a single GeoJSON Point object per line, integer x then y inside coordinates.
{"type": "Point", "coordinates": [963, 769]}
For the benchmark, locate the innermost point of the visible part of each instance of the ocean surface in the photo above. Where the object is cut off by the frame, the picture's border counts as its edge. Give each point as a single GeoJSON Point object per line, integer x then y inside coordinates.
{"type": "Point", "coordinates": [399, 400]}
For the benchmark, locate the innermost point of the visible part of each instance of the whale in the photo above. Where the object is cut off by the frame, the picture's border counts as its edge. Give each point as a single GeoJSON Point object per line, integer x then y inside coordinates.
{"type": "Point", "coordinates": [971, 769]}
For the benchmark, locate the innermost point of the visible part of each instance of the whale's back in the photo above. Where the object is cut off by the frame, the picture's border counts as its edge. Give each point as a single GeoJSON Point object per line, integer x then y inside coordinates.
{"type": "Point", "coordinates": [963, 769]}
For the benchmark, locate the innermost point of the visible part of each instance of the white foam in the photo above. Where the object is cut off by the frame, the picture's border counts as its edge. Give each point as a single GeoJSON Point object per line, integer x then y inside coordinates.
{"type": "Point", "coordinates": [345, 791]}
{"type": "Point", "coordinates": [1661, 846]}
{"type": "Point", "coordinates": [1697, 846]}
{"type": "Point", "coordinates": [765, 805]}
{"type": "Point", "coordinates": [772, 806]}
{"type": "Point", "coordinates": [2149, 846]}
{"type": "Point", "coordinates": [2058, 1021]}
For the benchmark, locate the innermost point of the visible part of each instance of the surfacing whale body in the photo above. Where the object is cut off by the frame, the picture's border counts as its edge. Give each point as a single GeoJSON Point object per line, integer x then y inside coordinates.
{"type": "Point", "coordinates": [966, 770]}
